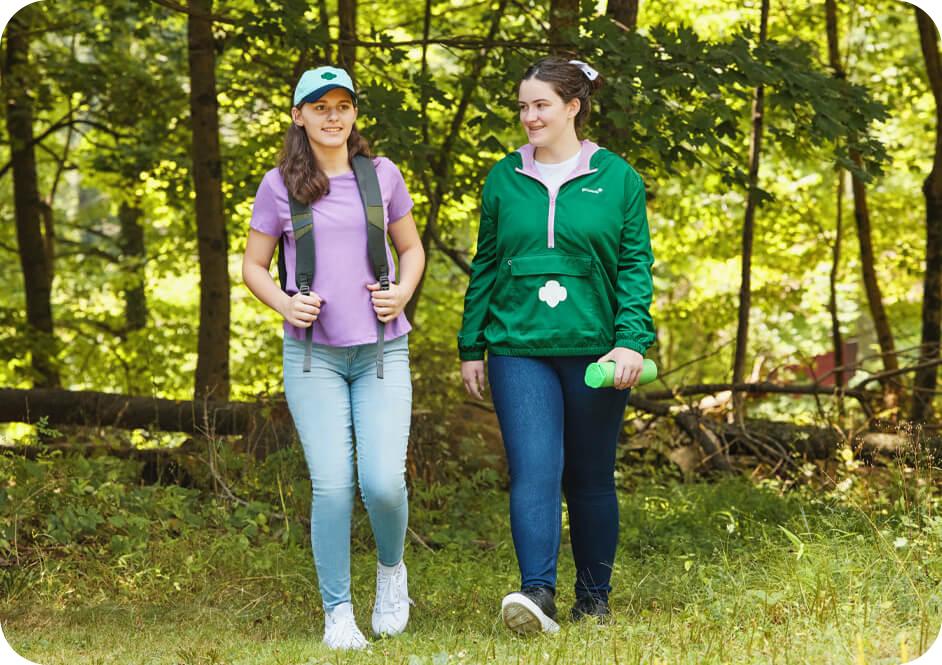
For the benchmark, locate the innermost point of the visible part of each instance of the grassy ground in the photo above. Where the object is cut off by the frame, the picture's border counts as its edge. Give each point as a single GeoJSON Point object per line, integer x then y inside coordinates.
{"type": "Point", "coordinates": [729, 571]}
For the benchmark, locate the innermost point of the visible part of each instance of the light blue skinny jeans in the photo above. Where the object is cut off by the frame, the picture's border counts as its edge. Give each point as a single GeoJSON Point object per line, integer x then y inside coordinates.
{"type": "Point", "coordinates": [338, 398]}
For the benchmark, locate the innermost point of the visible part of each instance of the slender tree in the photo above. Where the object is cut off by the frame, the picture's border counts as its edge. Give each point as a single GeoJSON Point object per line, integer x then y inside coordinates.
{"type": "Point", "coordinates": [564, 23]}
{"type": "Point", "coordinates": [625, 12]}
{"type": "Point", "coordinates": [347, 14]}
{"type": "Point", "coordinates": [437, 186]}
{"type": "Point", "coordinates": [748, 227]}
{"type": "Point", "coordinates": [34, 246]}
{"type": "Point", "coordinates": [212, 366]}
{"type": "Point", "coordinates": [837, 339]}
{"type": "Point", "coordinates": [325, 21]}
{"type": "Point", "coordinates": [834, 58]}
{"type": "Point", "coordinates": [133, 257]}
{"type": "Point", "coordinates": [925, 381]}
{"type": "Point", "coordinates": [881, 322]}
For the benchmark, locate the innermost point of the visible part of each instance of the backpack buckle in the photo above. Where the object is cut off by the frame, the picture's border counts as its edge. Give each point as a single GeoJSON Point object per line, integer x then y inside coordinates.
{"type": "Point", "coordinates": [304, 284]}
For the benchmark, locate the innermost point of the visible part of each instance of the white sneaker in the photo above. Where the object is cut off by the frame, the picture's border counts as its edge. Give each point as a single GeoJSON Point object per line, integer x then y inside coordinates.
{"type": "Point", "coordinates": [391, 610]}
{"type": "Point", "coordinates": [340, 629]}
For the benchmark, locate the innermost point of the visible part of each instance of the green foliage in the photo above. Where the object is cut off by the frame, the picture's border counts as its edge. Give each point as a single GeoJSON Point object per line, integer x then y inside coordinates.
{"type": "Point", "coordinates": [676, 103]}
{"type": "Point", "coordinates": [800, 566]}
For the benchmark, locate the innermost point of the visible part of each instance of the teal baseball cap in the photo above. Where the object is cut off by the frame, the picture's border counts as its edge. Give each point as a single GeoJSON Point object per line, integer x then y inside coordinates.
{"type": "Point", "coordinates": [315, 83]}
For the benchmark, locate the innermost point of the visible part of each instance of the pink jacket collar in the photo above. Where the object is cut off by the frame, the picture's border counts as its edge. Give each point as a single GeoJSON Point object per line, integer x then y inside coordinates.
{"type": "Point", "coordinates": [585, 154]}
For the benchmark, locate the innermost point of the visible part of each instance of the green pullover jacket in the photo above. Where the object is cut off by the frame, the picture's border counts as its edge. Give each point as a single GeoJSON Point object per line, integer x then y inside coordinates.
{"type": "Point", "coordinates": [560, 273]}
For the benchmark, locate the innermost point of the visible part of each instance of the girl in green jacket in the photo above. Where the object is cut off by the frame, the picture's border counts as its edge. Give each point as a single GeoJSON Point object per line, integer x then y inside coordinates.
{"type": "Point", "coordinates": [561, 278]}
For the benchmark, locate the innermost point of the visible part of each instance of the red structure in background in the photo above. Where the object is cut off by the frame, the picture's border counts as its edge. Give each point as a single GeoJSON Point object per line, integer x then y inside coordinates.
{"type": "Point", "coordinates": [823, 372]}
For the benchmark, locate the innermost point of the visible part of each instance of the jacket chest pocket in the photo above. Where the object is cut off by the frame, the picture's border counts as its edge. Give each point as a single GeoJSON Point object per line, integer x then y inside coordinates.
{"type": "Point", "coordinates": [560, 292]}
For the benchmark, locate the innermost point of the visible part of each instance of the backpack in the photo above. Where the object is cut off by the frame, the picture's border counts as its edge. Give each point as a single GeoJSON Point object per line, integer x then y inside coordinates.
{"type": "Point", "coordinates": [302, 221]}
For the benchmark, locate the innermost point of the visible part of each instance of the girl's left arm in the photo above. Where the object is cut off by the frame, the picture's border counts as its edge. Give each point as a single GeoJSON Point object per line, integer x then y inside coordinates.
{"type": "Point", "coordinates": [634, 328]}
{"type": "Point", "coordinates": [405, 237]}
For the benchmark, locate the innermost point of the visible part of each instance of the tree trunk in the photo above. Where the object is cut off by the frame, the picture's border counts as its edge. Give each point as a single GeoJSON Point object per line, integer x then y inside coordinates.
{"type": "Point", "coordinates": [347, 13]}
{"type": "Point", "coordinates": [35, 257]}
{"type": "Point", "coordinates": [748, 228]}
{"type": "Point", "coordinates": [881, 322]}
{"type": "Point", "coordinates": [625, 12]}
{"type": "Point", "coordinates": [212, 366]}
{"type": "Point", "coordinates": [325, 21]}
{"type": "Point", "coordinates": [925, 380]}
{"type": "Point", "coordinates": [134, 259]}
{"type": "Point", "coordinates": [862, 218]}
{"type": "Point", "coordinates": [564, 24]}
{"type": "Point", "coordinates": [834, 57]}
{"type": "Point", "coordinates": [836, 337]}
{"type": "Point", "coordinates": [413, 303]}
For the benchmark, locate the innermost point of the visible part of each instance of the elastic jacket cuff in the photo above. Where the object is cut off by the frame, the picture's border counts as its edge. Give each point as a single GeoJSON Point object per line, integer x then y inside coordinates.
{"type": "Point", "coordinates": [471, 354]}
{"type": "Point", "coordinates": [631, 343]}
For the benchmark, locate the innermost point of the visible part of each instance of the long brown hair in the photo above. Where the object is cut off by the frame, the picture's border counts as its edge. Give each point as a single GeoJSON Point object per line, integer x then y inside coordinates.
{"type": "Point", "coordinates": [568, 81]}
{"type": "Point", "coordinates": [303, 176]}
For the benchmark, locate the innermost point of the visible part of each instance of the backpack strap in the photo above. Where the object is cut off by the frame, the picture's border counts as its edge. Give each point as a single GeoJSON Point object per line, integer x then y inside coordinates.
{"type": "Point", "coordinates": [282, 264]}
{"type": "Point", "coordinates": [372, 198]}
{"type": "Point", "coordinates": [302, 221]}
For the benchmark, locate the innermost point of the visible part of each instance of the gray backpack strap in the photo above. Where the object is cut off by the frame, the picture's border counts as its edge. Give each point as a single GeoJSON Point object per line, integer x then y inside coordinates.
{"type": "Point", "coordinates": [302, 221]}
{"type": "Point", "coordinates": [372, 198]}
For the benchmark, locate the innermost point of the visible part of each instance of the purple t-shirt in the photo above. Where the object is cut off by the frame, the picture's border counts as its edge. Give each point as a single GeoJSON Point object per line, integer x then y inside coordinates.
{"type": "Point", "coordinates": [342, 267]}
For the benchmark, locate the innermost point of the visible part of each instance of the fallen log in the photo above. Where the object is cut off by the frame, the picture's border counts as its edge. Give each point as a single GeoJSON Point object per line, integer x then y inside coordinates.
{"type": "Point", "coordinates": [691, 424]}
{"type": "Point", "coordinates": [267, 426]}
{"type": "Point", "coordinates": [816, 443]}
{"type": "Point", "coordinates": [775, 441]}
{"type": "Point", "coordinates": [264, 426]}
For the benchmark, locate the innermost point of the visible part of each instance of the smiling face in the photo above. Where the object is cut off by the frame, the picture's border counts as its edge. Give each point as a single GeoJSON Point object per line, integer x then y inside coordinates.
{"type": "Point", "coordinates": [327, 121]}
{"type": "Point", "coordinates": [545, 117]}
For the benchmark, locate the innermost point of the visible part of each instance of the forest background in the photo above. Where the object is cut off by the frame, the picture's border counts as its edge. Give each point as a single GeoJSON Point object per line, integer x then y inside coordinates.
{"type": "Point", "coordinates": [785, 463]}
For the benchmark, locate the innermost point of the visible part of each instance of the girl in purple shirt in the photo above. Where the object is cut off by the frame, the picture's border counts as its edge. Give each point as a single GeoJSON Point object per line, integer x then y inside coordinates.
{"type": "Point", "coordinates": [341, 395]}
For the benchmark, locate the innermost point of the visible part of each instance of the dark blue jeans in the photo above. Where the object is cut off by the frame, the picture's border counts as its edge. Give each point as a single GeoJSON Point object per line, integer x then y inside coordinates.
{"type": "Point", "coordinates": [559, 434]}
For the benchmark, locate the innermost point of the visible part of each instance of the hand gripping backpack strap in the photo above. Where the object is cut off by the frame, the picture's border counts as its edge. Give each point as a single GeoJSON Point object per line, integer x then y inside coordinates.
{"type": "Point", "coordinates": [372, 197]}
{"type": "Point", "coordinates": [302, 221]}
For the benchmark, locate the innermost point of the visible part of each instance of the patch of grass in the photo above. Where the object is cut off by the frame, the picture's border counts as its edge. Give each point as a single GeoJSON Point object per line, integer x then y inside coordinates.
{"type": "Point", "coordinates": [728, 571]}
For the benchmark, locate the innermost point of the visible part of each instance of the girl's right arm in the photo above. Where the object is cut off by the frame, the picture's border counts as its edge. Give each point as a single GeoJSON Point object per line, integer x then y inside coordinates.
{"type": "Point", "coordinates": [471, 340]}
{"type": "Point", "coordinates": [298, 310]}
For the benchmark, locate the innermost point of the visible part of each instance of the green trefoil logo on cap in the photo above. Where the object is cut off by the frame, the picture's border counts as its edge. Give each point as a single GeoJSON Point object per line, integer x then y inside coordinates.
{"type": "Point", "coordinates": [328, 76]}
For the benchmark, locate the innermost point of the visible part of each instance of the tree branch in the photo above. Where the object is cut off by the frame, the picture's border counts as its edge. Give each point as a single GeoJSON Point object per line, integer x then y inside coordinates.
{"type": "Point", "coordinates": [216, 18]}
{"type": "Point", "coordinates": [450, 252]}
{"type": "Point", "coordinates": [754, 388]}
{"type": "Point", "coordinates": [902, 370]}
{"type": "Point", "coordinates": [457, 43]}
{"type": "Point", "coordinates": [61, 125]}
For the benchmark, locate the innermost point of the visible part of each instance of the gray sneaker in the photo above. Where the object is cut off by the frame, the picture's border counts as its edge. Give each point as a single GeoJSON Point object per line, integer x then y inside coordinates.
{"type": "Point", "coordinates": [591, 606]}
{"type": "Point", "coordinates": [530, 610]}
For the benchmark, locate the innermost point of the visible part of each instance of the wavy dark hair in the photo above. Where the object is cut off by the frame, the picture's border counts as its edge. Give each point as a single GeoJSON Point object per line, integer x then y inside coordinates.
{"type": "Point", "coordinates": [568, 81]}
{"type": "Point", "coordinates": [303, 176]}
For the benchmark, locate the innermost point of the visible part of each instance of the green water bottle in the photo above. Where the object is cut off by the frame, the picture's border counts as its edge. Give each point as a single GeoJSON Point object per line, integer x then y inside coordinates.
{"type": "Point", "coordinates": [602, 375]}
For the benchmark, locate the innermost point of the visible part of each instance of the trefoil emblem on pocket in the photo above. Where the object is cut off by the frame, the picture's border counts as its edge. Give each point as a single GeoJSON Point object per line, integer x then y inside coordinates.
{"type": "Point", "coordinates": [552, 293]}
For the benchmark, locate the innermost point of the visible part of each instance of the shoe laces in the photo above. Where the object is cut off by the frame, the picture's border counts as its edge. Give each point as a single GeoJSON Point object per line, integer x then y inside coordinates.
{"type": "Point", "coordinates": [343, 631]}
{"type": "Point", "coordinates": [388, 590]}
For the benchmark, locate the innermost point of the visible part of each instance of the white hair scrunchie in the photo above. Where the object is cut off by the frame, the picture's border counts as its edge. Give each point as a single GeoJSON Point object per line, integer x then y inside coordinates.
{"type": "Point", "coordinates": [590, 73]}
